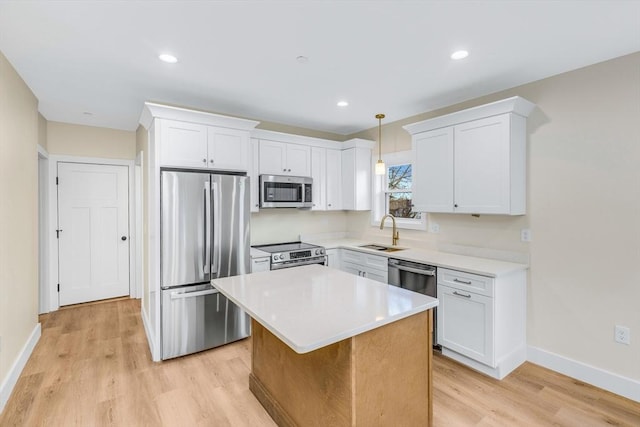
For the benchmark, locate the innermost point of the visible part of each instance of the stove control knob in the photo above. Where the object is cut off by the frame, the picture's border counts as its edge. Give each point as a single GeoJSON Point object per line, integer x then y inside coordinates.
{"type": "Point", "coordinates": [275, 257]}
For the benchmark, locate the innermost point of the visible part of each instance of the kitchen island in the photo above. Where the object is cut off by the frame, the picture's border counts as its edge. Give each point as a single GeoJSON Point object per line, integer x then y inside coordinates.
{"type": "Point", "coordinates": [331, 348]}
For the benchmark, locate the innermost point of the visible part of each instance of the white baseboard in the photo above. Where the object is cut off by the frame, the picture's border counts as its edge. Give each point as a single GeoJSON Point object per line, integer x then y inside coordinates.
{"type": "Point", "coordinates": [150, 338]}
{"type": "Point", "coordinates": [609, 381]}
{"type": "Point", "coordinates": [11, 379]}
{"type": "Point", "coordinates": [503, 368]}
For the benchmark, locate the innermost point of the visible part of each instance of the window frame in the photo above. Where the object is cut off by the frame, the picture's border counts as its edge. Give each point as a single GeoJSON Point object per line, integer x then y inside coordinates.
{"type": "Point", "coordinates": [380, 190]}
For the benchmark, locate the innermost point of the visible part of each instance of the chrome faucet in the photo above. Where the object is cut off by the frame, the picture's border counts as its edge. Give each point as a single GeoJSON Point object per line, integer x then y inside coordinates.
{"type": "Point", "coordinates": [396, 235]}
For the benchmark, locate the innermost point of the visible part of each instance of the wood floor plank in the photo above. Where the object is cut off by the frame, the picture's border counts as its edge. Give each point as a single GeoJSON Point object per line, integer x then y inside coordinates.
{"type": "Point", "coordinates": [92, 367]}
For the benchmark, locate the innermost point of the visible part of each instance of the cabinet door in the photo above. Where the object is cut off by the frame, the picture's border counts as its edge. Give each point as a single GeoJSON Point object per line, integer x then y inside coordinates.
{"type": "Point", "coordinates": [351, 268]}
{"type": "Point", "coordinates": [272, 155]}
{"type": "Point", "coordinates": [228, 149]}
{"type": "Point", "coordinates": [465, 323]}
{"type": "Point", "coordinates": [318, 173]}
{"type": "Point", "coordinates": [433, 171]}
{"type": "Point", "coordinates": [183, 144]}
{"type": "Point", "coordinates": [298, 160]}
{"type": "Point", "coordinates": [260, 264]}
{"type": "Point", "coordinates": [378, 275]}
{"type": "Point", "coordinates": [481, 164]}
{"type": "Point", "coordinates": [334, 180]}
{"type": "Point", "coordinates": [356, 179]}
{"type": "Point", "coordinates": [254, 182]}
{"type": "Point", "coordinates": [333, 258]}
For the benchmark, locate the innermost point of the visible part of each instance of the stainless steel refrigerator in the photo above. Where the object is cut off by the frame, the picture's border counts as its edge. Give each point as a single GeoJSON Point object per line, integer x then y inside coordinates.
{"type": "Point", "coordinates": [204, 235]}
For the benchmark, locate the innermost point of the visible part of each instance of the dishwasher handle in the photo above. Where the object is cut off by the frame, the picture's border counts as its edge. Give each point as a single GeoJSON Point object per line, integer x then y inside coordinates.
{"type": "Point", "coordinates": [427, 270]}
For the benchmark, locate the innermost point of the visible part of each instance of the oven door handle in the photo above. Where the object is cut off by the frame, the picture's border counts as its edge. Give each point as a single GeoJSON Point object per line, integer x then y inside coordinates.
{"type": "Point", "coordinates": [316, 260]}
{"type": "Point", "coordinates": [425, 272]}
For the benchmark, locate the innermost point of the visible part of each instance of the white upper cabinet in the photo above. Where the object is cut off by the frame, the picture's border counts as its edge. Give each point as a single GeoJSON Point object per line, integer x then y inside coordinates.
{"type": "Point", "coordinates": [282, 158]}
{"type": "Point", "coordinates": [356, 179]}
{"type": "Point", "coordinates": [183, 144]}
{"type": "Point", "coordinates": [472, 161]}
{"type": "Point", "coordinates": [254, 183]}
{"type": "Point", "coordinates": [195, 139]}
{"type": "Point", "coordinates": [228, 149]}
{"type": "Point", "coordinates": [198, 146]}
{"type": "Point", "coordinates": [333, 181]}
{"type": "Point", "coordinates": [433, 171]}
{"type": "Point", "coordinates": [319, 175]}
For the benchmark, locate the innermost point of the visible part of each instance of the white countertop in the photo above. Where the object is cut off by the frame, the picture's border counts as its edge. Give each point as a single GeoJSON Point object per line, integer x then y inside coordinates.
{"type": "Point", "coordinates": [313, 306]}
{"type": "Point", "coordinates": [469, 264]}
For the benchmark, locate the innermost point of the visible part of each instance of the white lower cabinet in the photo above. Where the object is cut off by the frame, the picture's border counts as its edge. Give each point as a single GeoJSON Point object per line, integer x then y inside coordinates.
{"type": "Point", "coordinates": [465, 323]}
{"type": "Point", "coordinates": [260, 264]}
{"type": "Point", "coordinates": [373, 267]}
{"type": "Point", "coordinates": [482, 320]}
{"type": "Point", "coordinates": [334, 258]}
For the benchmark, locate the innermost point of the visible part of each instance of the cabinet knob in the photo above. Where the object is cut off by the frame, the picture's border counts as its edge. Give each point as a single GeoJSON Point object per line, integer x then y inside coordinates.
{"type": "Point", "coordinates": [204, 160]}
{"type": "Point", "coordinates": [288, 170]}
{"type": "Point", "coordinates": [284, 170]}
{"type": "Point", "coordinates": [455, 206]}
{"type": "Point", "coordinates": [211, 161]}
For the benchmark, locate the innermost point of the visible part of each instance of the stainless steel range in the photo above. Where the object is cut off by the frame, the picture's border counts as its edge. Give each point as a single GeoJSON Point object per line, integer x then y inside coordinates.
{"type": "Point", "coordinates": [294, 254]}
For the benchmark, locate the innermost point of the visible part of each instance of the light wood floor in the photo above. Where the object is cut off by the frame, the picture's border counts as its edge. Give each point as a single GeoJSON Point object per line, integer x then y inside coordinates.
{"type": "Point", "coordinates": [92, 367]}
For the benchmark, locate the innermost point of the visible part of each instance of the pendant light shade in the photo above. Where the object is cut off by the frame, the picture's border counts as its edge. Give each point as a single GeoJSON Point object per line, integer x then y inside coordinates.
{"type": "Point", "coordinates": [380, 166]}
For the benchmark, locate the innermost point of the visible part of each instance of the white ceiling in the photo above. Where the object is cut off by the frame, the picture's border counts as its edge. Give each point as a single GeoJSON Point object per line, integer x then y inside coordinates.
{"type": "Point", "coordinates": [239, 57]}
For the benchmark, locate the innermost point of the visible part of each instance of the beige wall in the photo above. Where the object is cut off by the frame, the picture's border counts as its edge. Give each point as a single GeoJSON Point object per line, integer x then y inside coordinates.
{"type": "Point", "coordinates": [88, 141]}
{"type": "Point", "coordinates": [42, 131]}
{"type": "Point", "coordinates": [286, 225]}
{"type": "Point", "coordinates": [18, 215]}
{"type": "Point", "coordinates": [583, 211]}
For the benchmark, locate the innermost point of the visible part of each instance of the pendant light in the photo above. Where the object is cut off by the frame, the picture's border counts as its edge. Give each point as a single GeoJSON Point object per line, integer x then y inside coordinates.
{"type": "Point", "coordinates": [380, 167]}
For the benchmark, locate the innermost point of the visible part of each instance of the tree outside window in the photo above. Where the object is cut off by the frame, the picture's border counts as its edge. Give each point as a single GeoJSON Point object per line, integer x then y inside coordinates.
{"type": "Point", "coordinates": [398, 192]}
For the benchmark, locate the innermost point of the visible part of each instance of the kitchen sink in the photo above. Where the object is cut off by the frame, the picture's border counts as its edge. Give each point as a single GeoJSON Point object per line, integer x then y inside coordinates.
{"type": "Point", "coordinates": [380, 248]}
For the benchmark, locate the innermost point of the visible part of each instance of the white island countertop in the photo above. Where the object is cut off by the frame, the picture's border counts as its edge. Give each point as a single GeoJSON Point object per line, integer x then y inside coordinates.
{"type": "Point", "coordinates": [313, 306]}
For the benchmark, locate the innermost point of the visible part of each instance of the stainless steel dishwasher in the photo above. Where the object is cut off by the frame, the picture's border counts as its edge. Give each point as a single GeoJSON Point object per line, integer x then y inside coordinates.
{"type": "Point", "coordinates": [416, 277]}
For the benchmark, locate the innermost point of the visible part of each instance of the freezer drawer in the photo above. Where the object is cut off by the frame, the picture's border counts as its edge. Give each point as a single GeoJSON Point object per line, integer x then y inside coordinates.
{"type": "Point", "coordinates": [196, 318]}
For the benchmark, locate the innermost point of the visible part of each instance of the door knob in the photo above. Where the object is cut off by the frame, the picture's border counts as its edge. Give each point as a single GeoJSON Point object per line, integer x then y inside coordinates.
{"type": "Point", "coordinates": [123, 238]}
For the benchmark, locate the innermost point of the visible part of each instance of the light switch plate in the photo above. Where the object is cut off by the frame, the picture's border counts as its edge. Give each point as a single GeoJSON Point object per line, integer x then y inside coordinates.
{"type": "Point", "coordinates": [525, 235]}
{"type": "Point", "coordinates": [434, 227]}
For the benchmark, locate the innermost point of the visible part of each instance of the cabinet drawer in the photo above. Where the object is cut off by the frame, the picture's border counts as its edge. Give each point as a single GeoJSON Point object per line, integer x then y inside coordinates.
{"type": "Point", "coordinates": [475, 283]}
{"type": "Point", "coordinates": [365, 260]}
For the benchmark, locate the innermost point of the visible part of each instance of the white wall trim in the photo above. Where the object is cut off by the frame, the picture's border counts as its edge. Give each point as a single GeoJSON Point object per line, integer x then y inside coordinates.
{"type": "Point", "coordinates": [53, 220]}
{"type": "Point", "coordinates": [43, 231]}
{"type": "Point", "coordinates": [11, 379]}
{"type": "Point", "coordinates": [609, 381]}
{"type": "Point", "coordinates": [150, 337]}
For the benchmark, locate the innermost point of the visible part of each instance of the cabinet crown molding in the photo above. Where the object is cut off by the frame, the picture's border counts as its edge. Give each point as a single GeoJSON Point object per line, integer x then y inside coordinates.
{"type": "Point", "coordinates": [152, 111]}
{"type": "Point", "coordinates": [515, 104]}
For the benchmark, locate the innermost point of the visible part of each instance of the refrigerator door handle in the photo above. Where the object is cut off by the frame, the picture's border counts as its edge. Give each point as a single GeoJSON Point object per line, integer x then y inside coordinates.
{"type": "Point", "coordinates": [182, 295]}
{"type": "Point", "coordinates": [215, 232]}
{"type": "Point", "coordinates": [207, 231]}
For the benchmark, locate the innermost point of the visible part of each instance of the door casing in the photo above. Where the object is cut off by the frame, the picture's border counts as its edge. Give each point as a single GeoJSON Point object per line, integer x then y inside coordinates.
{"type": "Point", "coordinates": [53, 223]}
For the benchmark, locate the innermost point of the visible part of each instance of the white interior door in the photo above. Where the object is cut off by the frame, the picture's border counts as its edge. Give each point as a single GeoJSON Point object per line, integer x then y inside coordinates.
{"type": "Point", "coordinates": [93, 219]}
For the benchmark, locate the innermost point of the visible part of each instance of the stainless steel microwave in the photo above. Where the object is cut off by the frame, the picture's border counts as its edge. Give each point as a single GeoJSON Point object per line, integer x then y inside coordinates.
{"type": "Point", "coordinates": [277, 191]}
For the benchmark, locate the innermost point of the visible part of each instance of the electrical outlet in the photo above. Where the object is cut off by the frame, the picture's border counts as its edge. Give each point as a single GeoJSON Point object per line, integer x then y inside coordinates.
{"type": "Point", "coordinates": [623, 335]}
{"type": "Point", "coordinates": [434, 227]}
{"type": "Point", "coordinates": [525, 235]}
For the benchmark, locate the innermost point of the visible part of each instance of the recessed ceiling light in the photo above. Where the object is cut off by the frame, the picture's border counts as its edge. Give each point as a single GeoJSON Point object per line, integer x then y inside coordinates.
{"type": "Point", "coordinates": [165, 57]}
{"type": "Point", "coordinates": [88, 113]}
{"type": "Point", "coordinates": [459, 54]}
{"type": "Point", "coordinates": [343, 104]}
{"type": "Point", "coordinates": [302, 59]}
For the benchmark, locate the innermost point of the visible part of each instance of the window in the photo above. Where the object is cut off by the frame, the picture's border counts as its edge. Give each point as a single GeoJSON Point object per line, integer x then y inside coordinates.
{"type": "Point", "coordinates": [398, 192]}
{"type": "Point", "coordinates": [393, 193]}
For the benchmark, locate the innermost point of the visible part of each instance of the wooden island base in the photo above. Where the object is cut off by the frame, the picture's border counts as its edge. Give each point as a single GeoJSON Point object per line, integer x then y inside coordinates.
{"type": "Point", "coordinates": [378, 378]}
